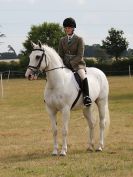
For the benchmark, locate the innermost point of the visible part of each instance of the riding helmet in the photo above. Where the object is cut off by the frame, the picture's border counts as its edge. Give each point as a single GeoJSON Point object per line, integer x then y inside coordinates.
{"type": "Point", "coordinates": [69, 22]}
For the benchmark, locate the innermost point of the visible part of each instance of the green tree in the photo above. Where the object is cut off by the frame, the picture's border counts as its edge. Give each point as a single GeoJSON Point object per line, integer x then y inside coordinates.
{"type": "Point", "coordinates": [115, 43]}
{"type": "Point", "coordinates": [47, 33]}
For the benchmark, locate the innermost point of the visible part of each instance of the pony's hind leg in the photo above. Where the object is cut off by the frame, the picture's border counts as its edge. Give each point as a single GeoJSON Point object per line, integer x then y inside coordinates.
{"type": "Point", "coordinates": [91, 122]}
{"type": "Point", "coordinates": [65, 116]}
{"type": "Point", "coordinates": [103, 114]}
{"type": "Point", "coordinates": [52, 114]}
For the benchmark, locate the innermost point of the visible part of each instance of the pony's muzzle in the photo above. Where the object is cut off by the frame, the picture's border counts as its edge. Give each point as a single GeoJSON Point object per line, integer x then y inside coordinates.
{"type": "Point", "coordinates": [30, 75]}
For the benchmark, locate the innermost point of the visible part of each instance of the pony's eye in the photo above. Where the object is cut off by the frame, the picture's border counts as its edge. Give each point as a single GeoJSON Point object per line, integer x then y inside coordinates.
{"type": "Point", "coordinates": [38, 57]}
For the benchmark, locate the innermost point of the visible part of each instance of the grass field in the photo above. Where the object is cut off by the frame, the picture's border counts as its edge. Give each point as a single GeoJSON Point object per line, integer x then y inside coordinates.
{"type": "Point", "coordinates": [26, 138]}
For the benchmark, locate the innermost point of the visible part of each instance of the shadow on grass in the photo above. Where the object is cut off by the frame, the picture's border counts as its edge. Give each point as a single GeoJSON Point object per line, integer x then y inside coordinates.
{"type": "Point", "coordinates": [14, 158]}
{"type": "Point", "coordinates": [40, 156]}
{"type": "Point", "coordinates": [25, 157]}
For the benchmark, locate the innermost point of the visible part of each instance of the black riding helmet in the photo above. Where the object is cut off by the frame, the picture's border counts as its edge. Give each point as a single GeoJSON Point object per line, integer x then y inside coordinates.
{"type": "Point", "coordinates": [69, 22]}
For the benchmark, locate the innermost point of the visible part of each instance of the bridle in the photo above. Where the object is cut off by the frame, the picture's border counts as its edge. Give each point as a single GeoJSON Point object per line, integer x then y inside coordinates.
{"type": "Point", "coordinates": [33, 68]}
{"type": "Point", "coordinates": [40, 61]}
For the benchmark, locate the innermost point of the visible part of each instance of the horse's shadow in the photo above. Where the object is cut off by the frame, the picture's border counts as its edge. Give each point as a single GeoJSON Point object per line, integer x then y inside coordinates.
{"type": "Point", "coordinates": [25, 157]}
{"type": "Point", "coordinates": [44, 155]}
{"type": "Point", "coordinates": [37, 156]}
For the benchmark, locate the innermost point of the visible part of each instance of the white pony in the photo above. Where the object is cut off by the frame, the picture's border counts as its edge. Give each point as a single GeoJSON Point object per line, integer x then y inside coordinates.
{"type": "Point", "coordinates": [61, 91]}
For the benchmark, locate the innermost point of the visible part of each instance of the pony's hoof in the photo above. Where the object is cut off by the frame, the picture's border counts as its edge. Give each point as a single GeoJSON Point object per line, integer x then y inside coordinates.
{"type": "Point", "coordinates": [99, 149]}
{"type": "Point", "coordinates": [90, 149]}
{"type": "Point", "coordinates": [63, 153]}
{"type": "Point", "coordinates": [55, 153]}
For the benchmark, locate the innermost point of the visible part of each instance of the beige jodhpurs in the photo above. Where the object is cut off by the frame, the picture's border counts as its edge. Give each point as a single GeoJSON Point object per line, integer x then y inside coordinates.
{"type": "Point", "coordinates": [82, 73]}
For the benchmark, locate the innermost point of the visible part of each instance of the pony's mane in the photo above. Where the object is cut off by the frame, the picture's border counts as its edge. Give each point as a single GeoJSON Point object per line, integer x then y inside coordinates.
{"type": "Point", "coordinates": [51, 51]}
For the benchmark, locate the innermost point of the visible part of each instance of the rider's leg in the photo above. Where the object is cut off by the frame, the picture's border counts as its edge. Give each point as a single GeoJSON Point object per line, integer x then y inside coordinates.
{"type": "Point", "coordinates": [83, 76]}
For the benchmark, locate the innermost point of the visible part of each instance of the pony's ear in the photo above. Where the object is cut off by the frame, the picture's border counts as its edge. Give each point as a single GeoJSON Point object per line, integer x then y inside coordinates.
{"type": "Point", "coordinates": [39, 43]}
{"type": "Point", "coordinates": [33, 44]}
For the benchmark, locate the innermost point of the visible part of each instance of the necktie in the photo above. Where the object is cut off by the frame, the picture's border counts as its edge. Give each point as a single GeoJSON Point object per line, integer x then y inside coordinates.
{"type": "Point", "coordinates": [69, 40]}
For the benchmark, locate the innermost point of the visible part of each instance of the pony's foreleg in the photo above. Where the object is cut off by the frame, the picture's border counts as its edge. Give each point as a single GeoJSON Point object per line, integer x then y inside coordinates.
{"type": "Point", "coordinates": [52, 115]}
{"type": "Point", "coordinates": [91, 122]}
{"type": "Point", "coordinates": [65, 116]}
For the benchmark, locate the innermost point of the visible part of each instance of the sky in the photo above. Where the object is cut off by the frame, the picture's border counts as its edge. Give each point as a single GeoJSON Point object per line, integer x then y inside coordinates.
{"type": "Point", "coordinates": [93, 17]}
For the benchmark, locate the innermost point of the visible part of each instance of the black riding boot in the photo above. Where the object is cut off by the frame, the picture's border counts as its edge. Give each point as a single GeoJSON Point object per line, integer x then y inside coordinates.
{"type": "Point", "coordinates": [86, 99]}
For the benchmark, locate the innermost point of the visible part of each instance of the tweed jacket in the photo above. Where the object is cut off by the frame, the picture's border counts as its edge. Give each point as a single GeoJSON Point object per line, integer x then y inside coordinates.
{"type": "Point", "coordinates": [72, 52]}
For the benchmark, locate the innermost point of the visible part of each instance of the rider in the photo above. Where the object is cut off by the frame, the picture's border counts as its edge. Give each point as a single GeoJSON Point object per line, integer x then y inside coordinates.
{"type": "Point", "coordinates": [71, 50]}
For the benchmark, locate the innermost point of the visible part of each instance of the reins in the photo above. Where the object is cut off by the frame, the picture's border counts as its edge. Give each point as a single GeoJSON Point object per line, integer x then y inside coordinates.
{"type": "Point", "coordinates": [61, 67]}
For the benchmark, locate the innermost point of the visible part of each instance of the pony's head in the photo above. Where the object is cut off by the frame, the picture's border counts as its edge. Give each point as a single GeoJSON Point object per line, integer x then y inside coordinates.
{"type": "Point", "coordinates": [36, 61]}
{"type": "Point", "coordinates": [43, 58]}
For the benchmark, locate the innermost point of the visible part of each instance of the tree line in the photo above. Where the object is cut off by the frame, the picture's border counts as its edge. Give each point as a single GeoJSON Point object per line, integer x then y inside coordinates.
{"type": "Point", "coordinates": [114, 46]}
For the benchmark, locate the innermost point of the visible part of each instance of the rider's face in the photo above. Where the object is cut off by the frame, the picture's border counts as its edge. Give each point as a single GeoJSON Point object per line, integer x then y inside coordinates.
{"type": "Point", "coordinates": [69, 30]}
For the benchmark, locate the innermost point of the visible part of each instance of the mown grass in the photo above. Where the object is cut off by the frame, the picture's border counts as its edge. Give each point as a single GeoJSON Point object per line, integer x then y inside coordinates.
{"type": "Point", "coordinates": [26, 138]}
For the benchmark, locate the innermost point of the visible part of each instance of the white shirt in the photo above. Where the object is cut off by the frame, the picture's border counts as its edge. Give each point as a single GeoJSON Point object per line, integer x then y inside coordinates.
{"type": "Point", "coordinates": [70, 37]}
